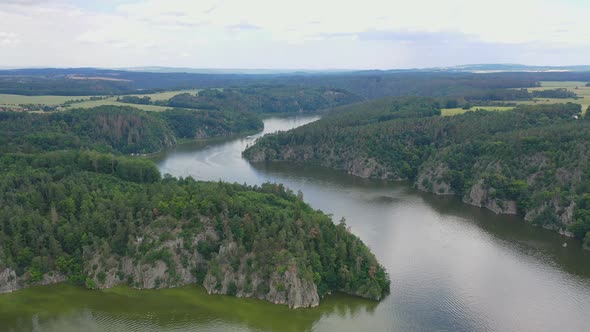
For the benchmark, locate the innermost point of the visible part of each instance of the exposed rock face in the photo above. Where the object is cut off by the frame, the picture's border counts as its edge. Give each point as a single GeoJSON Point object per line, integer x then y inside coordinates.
{"type": "Point", "coordinates": [9, 282]}
{"type": "Point", "coordinates": [362, 166]}
{"type": "Point", "coordinates": [142, 276]}
{"type": "Point", "coordinates": [257, 156]}
{"type": "Point", "coordinates": [434, 176]}
{"type": "Point", "coordinates": [290, 289]}
{"type": "Point", "coordinates": [176, 266]}
{"type": "Point", "coordinates": [299, 154]}
{"type": "Point", "coordinates": [368, 168]}
{"type": "Point", "coordinates": [563, 216]}
{"type": "Point", "coordinates": [431, 180]}
{"type": "Point", "coordinates": [200, 133]}
{"type": "Point", "coordinates": [481, 196]}
{"type": "Point", "coordinates": [286, 287]}
{"type": "Point", "coordinates": [51, 278]}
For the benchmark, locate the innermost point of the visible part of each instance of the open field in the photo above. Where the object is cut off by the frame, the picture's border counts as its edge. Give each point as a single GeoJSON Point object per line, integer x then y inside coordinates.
{"type": "Point", "coordinates": [114, 102]}
{"type": "Point", "coordinates": [166, 94]}
{"type": "Point", "coordinates": [13, 100]}
{"type": "Point", "coordinates": [578, 88]}
{"type": "Point", "coordinates": [455, 111]}
{"type": "Point", "coordinates": [563, 84]}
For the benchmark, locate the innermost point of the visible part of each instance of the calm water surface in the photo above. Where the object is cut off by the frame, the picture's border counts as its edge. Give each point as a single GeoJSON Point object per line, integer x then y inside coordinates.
{"type": "Point", "coordinates": [453, 267]}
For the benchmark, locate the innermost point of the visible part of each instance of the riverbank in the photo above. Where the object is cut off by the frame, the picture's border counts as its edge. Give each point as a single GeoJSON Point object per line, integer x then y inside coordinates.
{"type": "Point", "coordinates": [430, 180]}
{"type": "Point", "coordinates": [57, 308]}
{"type": "Point", "coordinates": [507, 162]}
{"type": "Point", "coordinates": [454, 265]}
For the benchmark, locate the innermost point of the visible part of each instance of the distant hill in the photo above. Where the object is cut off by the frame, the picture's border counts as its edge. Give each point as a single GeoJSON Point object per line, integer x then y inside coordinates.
{"type": "Point", "coordinates": [512, 68]}
{"type": "Point", "coordinates": [369, 84]}
{"type": "Point", "coordinates": [242, 71]}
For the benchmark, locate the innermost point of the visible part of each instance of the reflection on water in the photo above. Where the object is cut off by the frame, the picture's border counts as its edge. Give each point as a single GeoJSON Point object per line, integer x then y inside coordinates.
{"type": "Point", "coordinates": [453, 267]}
{"type": "Point", "coordinates": [69, 308]}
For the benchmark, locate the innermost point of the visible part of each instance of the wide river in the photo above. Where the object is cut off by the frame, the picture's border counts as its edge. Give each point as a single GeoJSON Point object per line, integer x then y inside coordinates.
{"type": "Point", "coordinates": [453, 267]}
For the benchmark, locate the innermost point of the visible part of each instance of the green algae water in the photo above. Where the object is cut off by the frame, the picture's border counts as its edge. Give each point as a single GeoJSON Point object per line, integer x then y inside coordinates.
{"type": "Point", "coordinates": [189, 308]}
{"type": "Point", "coordinates": [453, 267]}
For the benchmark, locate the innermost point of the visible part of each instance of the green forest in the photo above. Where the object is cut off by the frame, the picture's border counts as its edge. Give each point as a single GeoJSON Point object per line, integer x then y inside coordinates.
{"type": "Point", "coordinates": [62, 210]}
{"type": "Point", "coordinates": [117, 129]}
{"type": "Point", "coordinates": [270, 99]}
{"type": "Point", "coordinates": [531, 161]}
{"type": "Point", "coordinates": [74, 207]}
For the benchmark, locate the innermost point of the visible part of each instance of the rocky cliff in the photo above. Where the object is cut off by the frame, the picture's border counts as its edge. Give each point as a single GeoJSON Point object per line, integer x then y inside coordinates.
{"type": "Point", "coordinates": [10, 282]}
{"type": "Point", "coordinates": [532, 161]}
{"type": "Point", "coordinates": [488, 188]}
{"type": "Point", "coordinates": [178, 265]}
{"type": "Point", "coordinates": [434, 176]}
{"type": "Point", "coordinates": [169, 257]}
{"type": "Point", "coordinates": [282, 287]}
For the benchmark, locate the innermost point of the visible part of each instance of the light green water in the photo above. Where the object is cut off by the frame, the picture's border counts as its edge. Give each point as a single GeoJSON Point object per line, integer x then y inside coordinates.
{"type": "Point", "coordinates": [69, 308]}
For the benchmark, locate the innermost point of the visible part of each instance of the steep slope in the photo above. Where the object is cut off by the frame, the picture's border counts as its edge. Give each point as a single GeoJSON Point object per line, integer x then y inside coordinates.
{"type": "Point", "coordinates": [117, 129]}
{"type": "Point", "coordinates": [265, 99]}
{"type": "Point", "coordinates": [98, 220]}
{"type": "Point", "coordinates": [532, 161]}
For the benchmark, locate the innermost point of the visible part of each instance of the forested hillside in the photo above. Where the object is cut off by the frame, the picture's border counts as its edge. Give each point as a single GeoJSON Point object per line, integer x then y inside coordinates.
{"type": "Point", "coordinates": [367, 84]}
{"type": "Point", "coordinates": [101, 220]}
{"type": "Point", "coordinates": [70, 213]}
{"type": "Point", "coordinates": [116, 129]}
{"type": "Point", "coordinates": [532, 161]}
{"type": "Point", "coordinates": [256, 99]}
{"type": "Point", "coordinates": [198, 124]}
{"type": "Point", "coordinates": [264, 99]}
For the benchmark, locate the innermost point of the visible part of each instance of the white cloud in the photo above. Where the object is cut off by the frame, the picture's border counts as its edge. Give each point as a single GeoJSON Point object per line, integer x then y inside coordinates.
{"type": "Point", "coordinates": [303, 33]}
{"type": "Point", "coordinates": [8, 39]}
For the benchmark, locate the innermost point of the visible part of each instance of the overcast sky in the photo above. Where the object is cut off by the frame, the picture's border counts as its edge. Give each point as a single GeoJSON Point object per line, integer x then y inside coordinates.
{"type": "Point", "coordinates": [296, 34]}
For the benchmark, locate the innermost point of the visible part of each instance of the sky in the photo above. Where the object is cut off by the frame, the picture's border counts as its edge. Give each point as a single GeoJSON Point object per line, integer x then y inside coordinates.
{"type": "Point", "coordinates": [301, 34]}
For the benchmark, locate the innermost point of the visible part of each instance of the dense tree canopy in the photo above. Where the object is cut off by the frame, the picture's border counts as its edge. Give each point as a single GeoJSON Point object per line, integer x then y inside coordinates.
{"type": "Point", "coordinates": [69, 208]}
{"type": "Point", "coordinates": [60, 210]}
{"type": "Point", "coordinates": [554, 93]}
{"type": "Point", "coordinates": [535, 156]}
{"type": "Point", "coordinates": [104, 128]}
{"type": "Point", "coordinates": [265, 99]}
{"type": "Point", "coordinates": [116, 129]}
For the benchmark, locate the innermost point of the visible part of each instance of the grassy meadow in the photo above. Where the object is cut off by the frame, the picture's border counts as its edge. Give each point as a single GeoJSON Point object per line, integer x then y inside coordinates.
{"type": "Point", "coordinates": [113, 101]}
{"type": "Point", "coordinates": [455, 111]}
{"type": "Point", "coordinates": [15, 100]}
{"type": "Point", "coordinates": [165, 95]}
{"type": "Point", "coordinates": [578, 88]}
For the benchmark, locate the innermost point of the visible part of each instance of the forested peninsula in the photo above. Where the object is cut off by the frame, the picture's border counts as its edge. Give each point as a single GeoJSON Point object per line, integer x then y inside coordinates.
{"type": "Point", "coordinates": [117, 129]}
{"type": "Point", "coordinates": [76, 208]}
{"type": "Point", "coordinates": [530, 161]}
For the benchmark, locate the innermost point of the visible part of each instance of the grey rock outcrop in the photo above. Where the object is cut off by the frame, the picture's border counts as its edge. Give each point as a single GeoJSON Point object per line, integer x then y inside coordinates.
{"type": "Point", "coordinates": [481, 196]}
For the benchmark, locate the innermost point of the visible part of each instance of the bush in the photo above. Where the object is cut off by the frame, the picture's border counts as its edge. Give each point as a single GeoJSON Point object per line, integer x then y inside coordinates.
{"type": "Point", "coordinates": [232, 288]}
{"type": "Point", "coordinates": [90, 283]}
{"type": "Point", "coordinates": [101, 276]}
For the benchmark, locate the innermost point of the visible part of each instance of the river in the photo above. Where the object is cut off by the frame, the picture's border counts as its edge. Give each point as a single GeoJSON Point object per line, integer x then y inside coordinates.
{"type": "Point", "coordinates": [453, 267]}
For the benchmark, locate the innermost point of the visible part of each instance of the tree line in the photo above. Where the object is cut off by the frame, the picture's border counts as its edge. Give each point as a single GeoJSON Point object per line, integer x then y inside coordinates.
{"type": "Point", "coordinates": [63, 209]}
{"type": "Point", "coordinates": [534, 155]}
{"type": "Point", "coordinates": [116, 129]}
